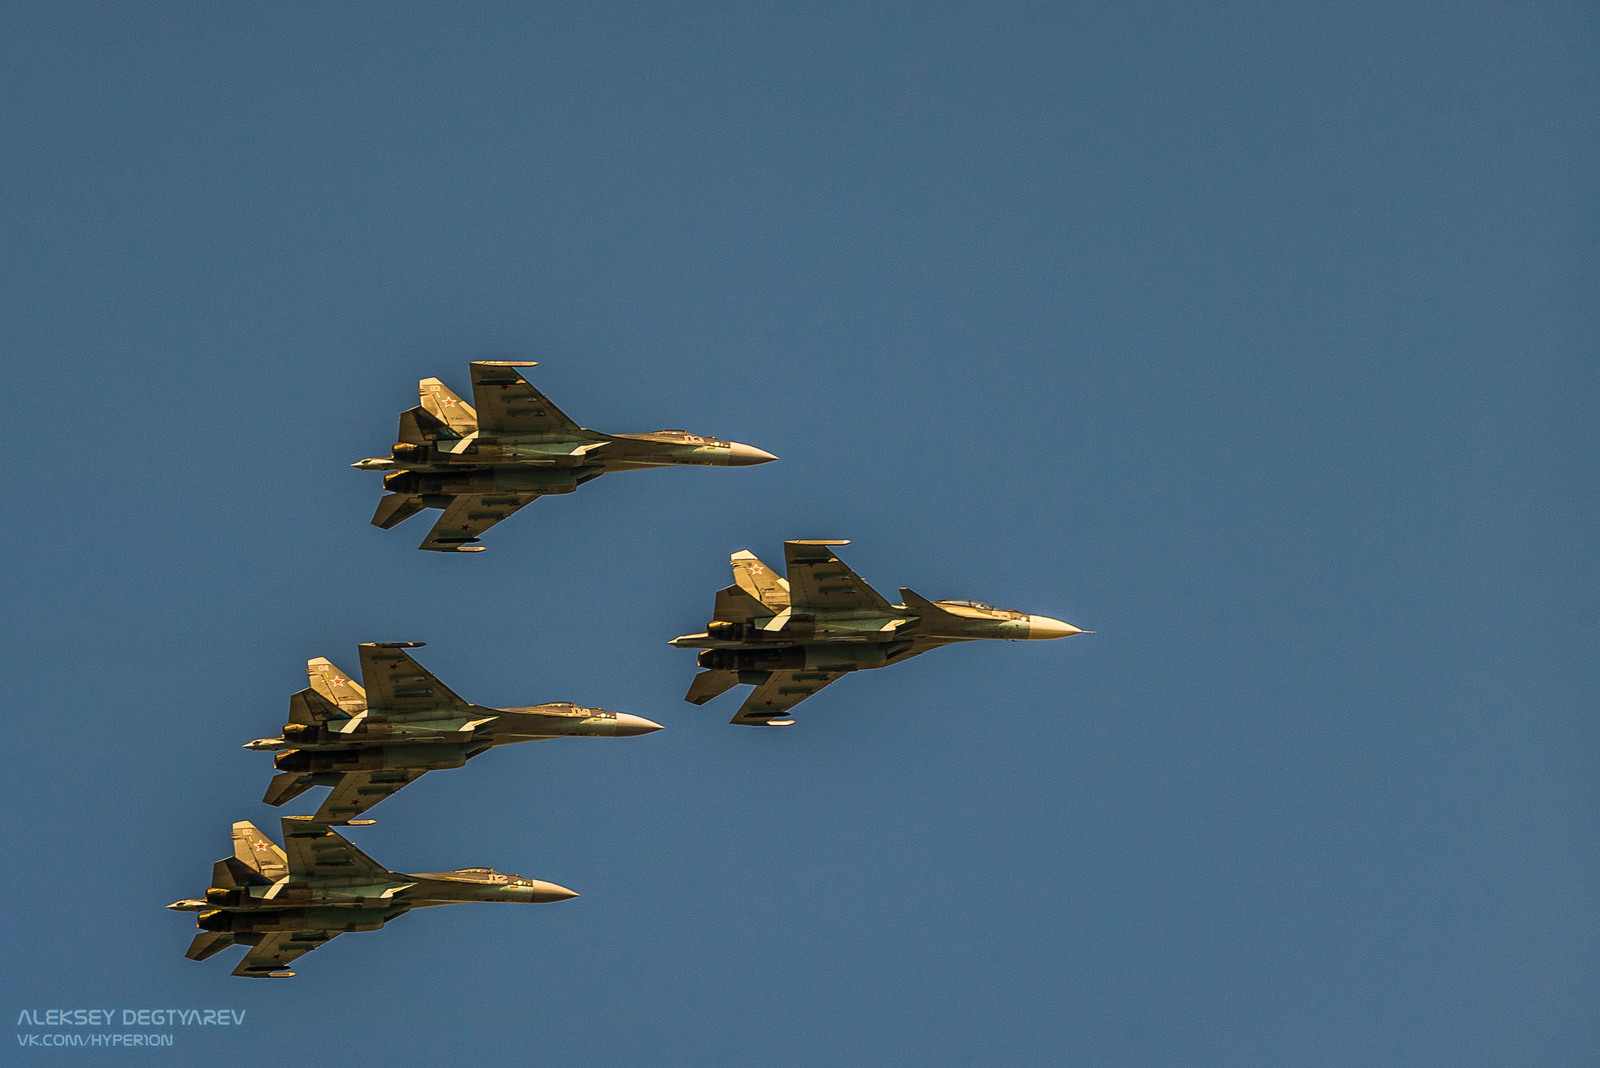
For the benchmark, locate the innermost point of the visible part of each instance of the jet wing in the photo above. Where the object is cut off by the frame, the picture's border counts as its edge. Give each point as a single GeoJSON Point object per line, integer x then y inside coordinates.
{"type": "Point", "coordinates": [397, 683]}
{"type": "Point", "coordinates": [358, 791]}
{"type": "Point", "coordinates": [820, 582]}
{"type": "Point", "coordinates": [781, 692]}
{"type": "Point", "coordinates": [274, 952]}
{"type": "Point", "coordinates": [470, 514]}
{"type": "Point", "coordinates": [316, 851]}
{"type": "Point", "coordinates": [507, 404]}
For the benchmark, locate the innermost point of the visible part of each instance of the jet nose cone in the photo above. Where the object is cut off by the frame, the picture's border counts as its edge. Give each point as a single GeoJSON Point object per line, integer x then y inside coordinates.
{"type": "Point", "coordinates": [746, 455]}
{"type": "Point", "coordinates": [1043, 627]}
{"type": "Point", "coordinates": [543, 891]}
{"type": "Point", "coordinates": [628, 726]}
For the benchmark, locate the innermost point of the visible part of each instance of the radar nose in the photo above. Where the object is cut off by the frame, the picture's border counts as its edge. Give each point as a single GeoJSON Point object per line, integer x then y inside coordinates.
{"type": "Point", "coordinates": [629, 726]}
{"type": "Point", "coordinates": [543, 891]}
{"type": "Point", "coordinates": [740, 455]}
{"type": "Point", "coordinates": [1043, 627]}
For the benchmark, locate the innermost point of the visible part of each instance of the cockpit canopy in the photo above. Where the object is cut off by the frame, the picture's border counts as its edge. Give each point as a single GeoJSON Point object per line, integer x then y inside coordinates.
{"type": "Point", "coordinates": [980, 606]}
{"type": "Point", "coordinates": [677, 437]}
{"type": "Point", "coordinates": [483, 875]}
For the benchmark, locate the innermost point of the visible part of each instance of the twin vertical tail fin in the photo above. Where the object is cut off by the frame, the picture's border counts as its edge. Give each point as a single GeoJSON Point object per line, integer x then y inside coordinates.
{"type": "Point", "coordinates": [335, 687]}
{"type": "Point", "coordinates": [760, 581]}
{"type": "Point", "coordinates": [443, 405]}
{"type": "Point", "coordinates": [419, 427]}
{"type": "Point", "coordinates": [758, 597]}
{"type": "Point", "coordinates": [441, 417]}
{"type": "Point", "coordinates": [229, 873]}
{"type": "Point", "coordinates": [735, 605]}
{"type": "Point", "coordinates": [258, 853]}
{"type": "Point", "coordinates": [332, 698]}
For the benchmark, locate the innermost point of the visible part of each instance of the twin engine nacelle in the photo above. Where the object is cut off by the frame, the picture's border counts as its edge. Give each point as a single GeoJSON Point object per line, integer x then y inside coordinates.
{"type": "Point", "coordinates": [493, 480]}
{"type": "Point", "coordinates": [268, 920]}
{"type": "Point", "coordinates": [795, 658]}
{"type": "Point", "coordinates": [753, 659]}
{"type": "Point", "coordinates": [373, 758]}
{"type": "Point", "coordinates": [323, 734]}
{"type": "Point", "coordinates": [731, 632]}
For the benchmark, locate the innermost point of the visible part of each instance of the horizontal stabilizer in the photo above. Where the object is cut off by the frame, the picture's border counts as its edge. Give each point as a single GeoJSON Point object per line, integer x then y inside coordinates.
{"type": "Point", "coordinates": [734, 604]}
{"type": "Point", "coordinates": [231, 872]}
{"type": "Point", "coordinates": [286, 786]}
{"type": "Point", "coordinates": [208, 942]}
{"type": "Point", "coordinates": [710, 684]}
{"type": "Point", "coordinates": [394, 509]}
{"type": "Point", "coordinates": [310, 707]}
{"type": "Point", "coordinates": [418, 426]}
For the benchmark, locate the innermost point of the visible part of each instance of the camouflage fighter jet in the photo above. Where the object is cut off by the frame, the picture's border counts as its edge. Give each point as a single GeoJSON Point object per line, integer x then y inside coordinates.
{"type": "Point", "coordinates": [283, 903]}
{"type": "Point", "coordinates": [790, 638]}
{"type": "Point", "coordinates": [482, 461]}
{"type": "Point", "coordinates": [369, 741]}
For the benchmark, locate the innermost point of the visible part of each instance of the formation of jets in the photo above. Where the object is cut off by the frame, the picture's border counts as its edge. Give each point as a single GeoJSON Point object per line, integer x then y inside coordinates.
{"type": "Point", "coordinates": [786, 636]}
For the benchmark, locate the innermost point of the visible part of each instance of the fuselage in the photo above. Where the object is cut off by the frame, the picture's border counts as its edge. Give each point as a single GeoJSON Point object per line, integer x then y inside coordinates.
{"type": "Point", "coordinates": [545, 465]}
{"type": "Point", "coordinates": [848, 641]}
{"type": "Point", "coordinates": [374, 740]}
{"type": "Point", "coordinates": [357, 903]}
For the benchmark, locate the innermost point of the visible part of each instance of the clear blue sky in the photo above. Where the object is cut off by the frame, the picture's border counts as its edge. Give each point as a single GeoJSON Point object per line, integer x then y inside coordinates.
{"type": "Point", "coordinates": [1259, 339]}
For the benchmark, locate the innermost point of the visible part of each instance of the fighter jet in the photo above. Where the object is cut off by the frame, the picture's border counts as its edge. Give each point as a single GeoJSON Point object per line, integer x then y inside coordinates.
{"type": "Point", "coordinates": [283, 903]}
{"type": "Point", "coordinates": [482, 461]}
{"type": "Point", "coordinates": [368, 741]}
{"type": "Point", "coordinates": [790, 638]}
